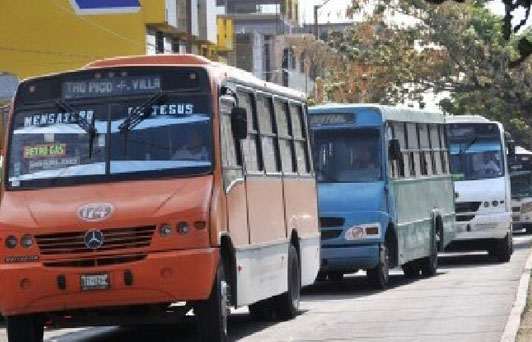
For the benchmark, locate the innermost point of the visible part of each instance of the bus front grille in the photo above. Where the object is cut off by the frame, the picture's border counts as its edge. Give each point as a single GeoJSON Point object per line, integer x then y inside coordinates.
{"type": "Point", "coordinates": [467, 207]}
{"type": "Point", "coordinates": [326, 222]}
{"type": "Point", "coordinates": [330, 234]}
{"type": "Point", "coordinates": [113, 239]}
{"type": "Point", "coordinates": [94, 262]}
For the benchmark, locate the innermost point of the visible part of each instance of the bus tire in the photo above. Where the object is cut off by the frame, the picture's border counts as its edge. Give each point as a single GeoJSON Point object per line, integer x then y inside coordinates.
{"type": "Point", "coordinates": [25, 328]}
{"type": "Point", "coordinates": [429, 265]}
{"type": "Point", "coordinates": [528, 228]}
{"type": "Point", "coordinates": [286, 305]}
{"type": "Point", "coordinates": [411, 269]}
{"type": "Point", "coordinates": [212, 313]}
{"type": "Point", "coordinates": [261, 311]}
{"type": "Point", "coordinates": [503, 248]}
{"type": "Point", "coordinates": [379, 276]}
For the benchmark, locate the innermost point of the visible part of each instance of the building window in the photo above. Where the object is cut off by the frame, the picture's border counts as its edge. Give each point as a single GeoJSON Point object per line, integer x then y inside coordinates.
{"type": "Point", "coordinates": [159, 42]}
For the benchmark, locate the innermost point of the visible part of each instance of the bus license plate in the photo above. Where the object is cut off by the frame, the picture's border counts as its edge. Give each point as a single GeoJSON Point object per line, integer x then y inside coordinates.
{"type": "Point", "coordinates": [94, 281]}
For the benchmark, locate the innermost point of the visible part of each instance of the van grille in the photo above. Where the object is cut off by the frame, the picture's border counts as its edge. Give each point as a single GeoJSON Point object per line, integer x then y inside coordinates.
{"type": "Point", "coordinates": [113, 239]}
{"type": "Point", "coordinates": [467, 207]}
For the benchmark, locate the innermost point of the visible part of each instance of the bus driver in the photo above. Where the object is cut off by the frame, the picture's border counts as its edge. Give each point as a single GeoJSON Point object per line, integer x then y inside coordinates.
{"type": "Point", "coordinates": [194, 149]}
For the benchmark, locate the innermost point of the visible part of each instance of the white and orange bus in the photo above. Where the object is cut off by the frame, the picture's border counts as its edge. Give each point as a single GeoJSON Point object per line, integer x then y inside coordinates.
{"type": "Point", "coordinates": [139, 189]}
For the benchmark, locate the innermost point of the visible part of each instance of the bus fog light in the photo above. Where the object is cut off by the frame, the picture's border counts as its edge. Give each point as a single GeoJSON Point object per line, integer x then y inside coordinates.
{"type": "Point", "coordinates": [495, 203]}
{"type": "Point", "coordinates": [11, 241]}
{"type": "Point", "coordinates": [165, 230]}
{"type": "Point", "coordinates": [182, 228]}
{"type": "Point", "coordinates": [486, 204]}
{"type": "Point", "coordinates": [26, 241]}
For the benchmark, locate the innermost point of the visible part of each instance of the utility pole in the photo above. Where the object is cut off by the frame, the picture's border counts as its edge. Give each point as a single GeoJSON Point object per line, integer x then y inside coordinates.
{"type": "Point", "coordinates": [189, 26]}
{"type": "Point", "coordinates": [316, 10]}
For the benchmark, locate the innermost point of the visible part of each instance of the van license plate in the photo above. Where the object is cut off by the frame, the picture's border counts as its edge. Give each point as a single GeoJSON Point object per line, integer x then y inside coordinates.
{"type": "Point", "coordinates": [94, 281]}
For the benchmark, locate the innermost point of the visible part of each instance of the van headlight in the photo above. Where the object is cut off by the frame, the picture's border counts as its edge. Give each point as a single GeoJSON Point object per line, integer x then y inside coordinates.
{"type": "Point", "coordinates": [363, 231]}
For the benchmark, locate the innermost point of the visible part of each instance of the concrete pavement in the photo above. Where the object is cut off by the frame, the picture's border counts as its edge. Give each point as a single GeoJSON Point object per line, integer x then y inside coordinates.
{"type": "Point", "coordinates": [469, 300]}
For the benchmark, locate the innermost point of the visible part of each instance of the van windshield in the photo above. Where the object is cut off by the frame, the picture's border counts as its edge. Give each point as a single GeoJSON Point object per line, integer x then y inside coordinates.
{"type": "Point", "coordinates": [347, 155]}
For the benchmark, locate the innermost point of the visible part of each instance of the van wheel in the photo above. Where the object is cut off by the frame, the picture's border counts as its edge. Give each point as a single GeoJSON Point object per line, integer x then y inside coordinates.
{"type": "Point", "coordinates": [211, 314]}
{"type": "Point", "coordinates": [429, 265]}
{"type": "Point", "coordinates": [503, 248]}
{"type": "Point", "coordinates": [411, 269]}
{"type": "Point", "coordinates": [261, 311]}
{"type": "Point", "coordinates": [379, 276]}
{"type": "Point", "coordinates": [25, 328]}
{"type": "Point", "coordinates": [286, 305]}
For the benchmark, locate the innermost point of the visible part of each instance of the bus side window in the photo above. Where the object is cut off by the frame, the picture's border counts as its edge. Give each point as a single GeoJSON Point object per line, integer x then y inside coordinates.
{"type": "Point", "coordinates": [231, 152]}
{"type": "Point", "coordinates": [413, 149]}
{"type": "Point", "coordinates": [300, 139]}
{"type": "Point", "coordinates": [284, 131]}
{"type": "Point", "coordinates": [445, 152]}
{"type": "Point", "coordinates": [251, 147]}
{"type": "Point", "coordinates": [393, 165]}
{"type": "Point", "coordinates": [268, 134]}
{"type": "Point", "coordinates": [426, 156]}
{"type": "Point", "coordinates": [437, 150]}
{"type": "Point", "coordinates": [404, 164]}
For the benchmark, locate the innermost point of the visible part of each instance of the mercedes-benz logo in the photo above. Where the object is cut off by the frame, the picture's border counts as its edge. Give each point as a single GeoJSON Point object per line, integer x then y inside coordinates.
{"type": "Point", "coordinates": [94, 239]}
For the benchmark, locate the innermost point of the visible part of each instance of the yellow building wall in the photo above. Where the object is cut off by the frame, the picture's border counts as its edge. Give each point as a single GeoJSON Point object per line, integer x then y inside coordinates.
{"type": "Point", "coordinates": [44, 36]}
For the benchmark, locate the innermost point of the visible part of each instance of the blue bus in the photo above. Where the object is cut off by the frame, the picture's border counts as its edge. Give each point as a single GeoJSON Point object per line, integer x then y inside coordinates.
{"type": "Point", "coordinates": [385, 193]}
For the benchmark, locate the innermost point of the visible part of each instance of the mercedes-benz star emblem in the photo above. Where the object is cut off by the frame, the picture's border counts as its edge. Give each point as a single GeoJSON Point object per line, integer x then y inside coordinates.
{"type": "Point", "coordinates": [94, 239]}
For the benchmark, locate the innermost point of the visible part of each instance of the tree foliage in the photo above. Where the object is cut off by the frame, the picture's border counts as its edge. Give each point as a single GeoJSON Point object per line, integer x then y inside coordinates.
{"type": "Point", "coordinates": [455, 49]}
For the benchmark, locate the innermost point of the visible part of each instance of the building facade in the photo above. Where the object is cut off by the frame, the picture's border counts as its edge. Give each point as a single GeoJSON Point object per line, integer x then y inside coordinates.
{"type": "Point", "coordinates": [39, 37]}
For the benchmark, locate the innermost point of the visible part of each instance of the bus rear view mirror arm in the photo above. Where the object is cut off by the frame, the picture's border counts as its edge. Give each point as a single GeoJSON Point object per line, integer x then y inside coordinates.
{"type": "Point", "coordinates": [239, 123]}
{"type": "Point", "coordinates": [511, 148]}
{"type": "Point", "coordinates": [394, 149]}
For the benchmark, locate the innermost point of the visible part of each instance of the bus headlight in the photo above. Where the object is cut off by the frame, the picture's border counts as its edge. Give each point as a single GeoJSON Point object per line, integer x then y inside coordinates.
{"type": "Point", "coordinates": [26, 241]}
{"type": "Point", "coordinates": [11, 241]}
{"type": "Point", "coordinates": [165, 230]}
{"type": "Point", "coordinates": [363, 231]}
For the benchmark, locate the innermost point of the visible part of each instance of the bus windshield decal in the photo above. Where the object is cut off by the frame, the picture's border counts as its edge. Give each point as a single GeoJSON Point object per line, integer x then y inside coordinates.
{"type": "Point", "coordinates": [122, 85]}
{"type": "Point", "coordinates": [44, 150]}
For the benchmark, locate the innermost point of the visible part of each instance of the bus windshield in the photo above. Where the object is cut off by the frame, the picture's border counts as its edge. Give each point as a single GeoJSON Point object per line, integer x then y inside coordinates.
{"type": "Point", "coordinates": [476, 151]}
{"type": "Point", "coordinates": [347, 155]}
{"type": "Point", "coordinates": [521, 182]}
{"type": "Point", "coordinates": [131, 140]}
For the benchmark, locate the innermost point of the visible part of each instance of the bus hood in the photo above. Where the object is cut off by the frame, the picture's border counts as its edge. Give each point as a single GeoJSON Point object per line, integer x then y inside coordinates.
{"type": "Point", "coordinates": [351, 197]}
{"type": "Point", "coordinates": [133, 203]}
{"type": "Point", "coordinates": [494, 189]}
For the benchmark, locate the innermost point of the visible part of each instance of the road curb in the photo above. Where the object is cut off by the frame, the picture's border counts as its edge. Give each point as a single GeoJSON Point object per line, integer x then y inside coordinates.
{"type": "Point", "coordinates": [514, 319]}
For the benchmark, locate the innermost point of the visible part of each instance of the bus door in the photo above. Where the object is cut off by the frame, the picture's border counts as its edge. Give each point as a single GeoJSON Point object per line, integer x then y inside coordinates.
{"type": "Point", "coordinates": [233, 176]}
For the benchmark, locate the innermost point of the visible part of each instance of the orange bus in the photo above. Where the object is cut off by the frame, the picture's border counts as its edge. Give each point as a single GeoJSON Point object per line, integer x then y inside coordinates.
{"type": "Point", "coordinates": [141, 189]}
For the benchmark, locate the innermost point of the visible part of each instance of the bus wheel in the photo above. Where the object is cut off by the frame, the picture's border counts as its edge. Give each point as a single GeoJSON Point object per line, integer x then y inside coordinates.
{"type": "Point", "coordinates": [211, 314]}
{"type": "Point", "coordinates": [286, 305]}
{"type": "Point", "coordinates": [429, 265]}
{"type": "Point", "coordinates": [25, 328]}
{"type": "Point", "coordinates": [411, 269]}
{"type": "Point", "coordinates": [528, 228]}
{"type": "Point", "coordinates": [503, 248]}
{"type": "Point", "coordinates": [379, 276]}
{"type": "Point", "coordinates": [261, 311]}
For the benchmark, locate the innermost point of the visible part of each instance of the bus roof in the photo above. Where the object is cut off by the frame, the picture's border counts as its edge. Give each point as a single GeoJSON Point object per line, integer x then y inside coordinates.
{"type": "Point", "coordinates": [222, 70]}
{"type": "Point", "coordinates": [468, 118]}
{"type": "Point", "coordinates": [389, 113]}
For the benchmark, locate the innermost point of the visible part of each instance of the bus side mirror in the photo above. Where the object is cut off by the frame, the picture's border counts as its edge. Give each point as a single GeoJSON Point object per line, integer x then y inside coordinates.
{"type": "Point", "coordinates": [239, 123]}
{"type": "Point", "coordinates": [394, 149]}
{"type": "Point", "coordinates": [511, 148]}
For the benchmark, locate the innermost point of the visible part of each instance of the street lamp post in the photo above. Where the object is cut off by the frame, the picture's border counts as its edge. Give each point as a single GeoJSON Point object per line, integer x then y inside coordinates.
{"type": "Point", "coordinates": [316, 9]}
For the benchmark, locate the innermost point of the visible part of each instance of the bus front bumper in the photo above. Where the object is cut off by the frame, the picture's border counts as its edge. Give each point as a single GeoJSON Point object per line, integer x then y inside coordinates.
{"type": "Point", "coordinates": [349, 258]}
{"type": "Point", "coordinates": [162, 277]}
{"type": "Point", "coordinates": [487, 226]}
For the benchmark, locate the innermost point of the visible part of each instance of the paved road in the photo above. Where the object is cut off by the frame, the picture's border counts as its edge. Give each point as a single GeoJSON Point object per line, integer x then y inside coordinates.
{"type": "Point", "coordinates": [468, 300]}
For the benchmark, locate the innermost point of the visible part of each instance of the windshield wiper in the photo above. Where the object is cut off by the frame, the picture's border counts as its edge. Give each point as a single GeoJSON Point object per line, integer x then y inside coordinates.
{"type": "Point", "coordinates": [466, 147]}
{"type": "Point", "coordinates": [81, 122]}
{"type": "Point", "coordinates": [140, 113]}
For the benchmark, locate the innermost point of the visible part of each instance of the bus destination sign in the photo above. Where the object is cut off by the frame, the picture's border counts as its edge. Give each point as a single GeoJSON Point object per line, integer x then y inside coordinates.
{"type": "Point", "coordinates": [331, 119]}
{"type": "Point", "coordinates": [124, 85]}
